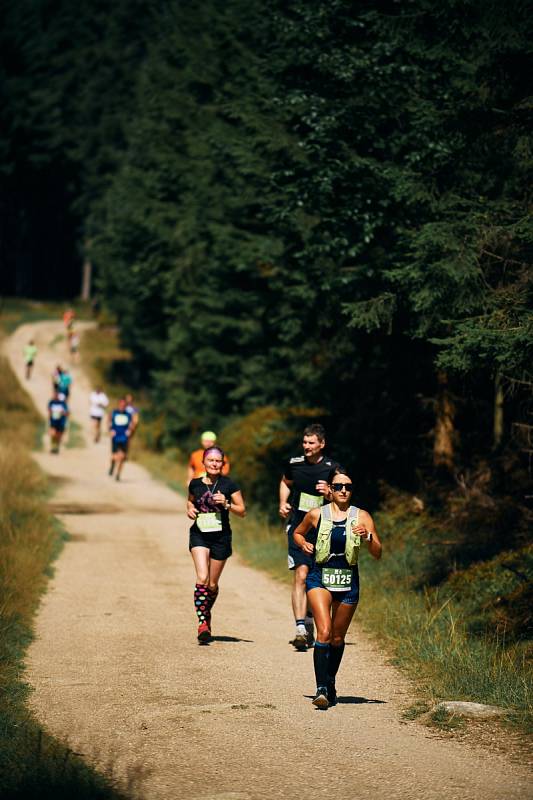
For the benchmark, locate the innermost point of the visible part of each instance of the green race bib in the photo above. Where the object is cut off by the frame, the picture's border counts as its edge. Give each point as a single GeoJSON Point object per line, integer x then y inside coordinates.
{"type": "Point", "coordinates": [337, 580]}
{"type": "Point", "coordinates": [209, 523]}
{"type": "Point", "coordinates": [310, 501]}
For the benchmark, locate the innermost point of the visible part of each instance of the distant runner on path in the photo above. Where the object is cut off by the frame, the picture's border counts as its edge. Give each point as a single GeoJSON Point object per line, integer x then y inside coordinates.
{"type": "Point", "coordinates": [64, 382]}
{"type": "Point", "coordinates": [98, 402]}
{"type": "Point", "coordinates": [332, 537]}
{"type": "Point", "coordinates": [210, 501]}
{"type": "Point", "coordinates": [120, 431]}
{"type": "Point", "coordinates": [57, 415]}
{"type": "Point", "coordinates": [196, 461]}
{"type": "Point", "coordinates": [304, 483]}
{"type": "Point", "coordinates": [68, 318]}
{"type": "Point", "coordinates": [74, 346]}
{"type": "Point", "coordinates": [30, 353]}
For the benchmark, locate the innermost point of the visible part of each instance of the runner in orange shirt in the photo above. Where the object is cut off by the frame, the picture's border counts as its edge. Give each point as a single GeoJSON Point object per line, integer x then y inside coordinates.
{"type": "Point", "coordinates": [196, 461]}
{"type": "Point", "coordinates": [68, 318]}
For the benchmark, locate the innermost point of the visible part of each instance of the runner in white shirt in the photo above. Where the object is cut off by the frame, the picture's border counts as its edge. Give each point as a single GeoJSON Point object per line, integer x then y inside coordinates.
{"type": "Point", "coordinates": [98, 402]}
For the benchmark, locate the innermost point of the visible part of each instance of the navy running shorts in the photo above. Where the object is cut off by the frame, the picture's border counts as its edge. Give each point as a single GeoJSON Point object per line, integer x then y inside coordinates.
{"type": "Point", "coordinates": [119, 446]}
{"type": "Point", "coordinates": [349, 598]}
{"type": "Point", "coordinates": [58, 425]}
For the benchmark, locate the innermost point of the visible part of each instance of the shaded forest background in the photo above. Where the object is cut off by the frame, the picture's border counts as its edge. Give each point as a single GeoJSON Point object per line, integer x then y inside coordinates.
{"type": "Point", "coordinates": [295, 210]}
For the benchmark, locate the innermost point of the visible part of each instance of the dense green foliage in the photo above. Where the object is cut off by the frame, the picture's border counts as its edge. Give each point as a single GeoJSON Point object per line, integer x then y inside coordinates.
{"type": "Point", "coordinates": [304, 205]}
{"type": "Point", "coordinates": [317, 204]}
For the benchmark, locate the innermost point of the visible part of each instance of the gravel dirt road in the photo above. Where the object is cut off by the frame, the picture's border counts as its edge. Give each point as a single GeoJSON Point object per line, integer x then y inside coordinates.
{"type": "Point", "coordinates": [117, 670]}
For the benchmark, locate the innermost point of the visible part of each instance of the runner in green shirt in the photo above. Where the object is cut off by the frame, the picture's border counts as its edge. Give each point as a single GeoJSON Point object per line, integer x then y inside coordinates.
{"type": "Point", "coordinates": [30, 352]}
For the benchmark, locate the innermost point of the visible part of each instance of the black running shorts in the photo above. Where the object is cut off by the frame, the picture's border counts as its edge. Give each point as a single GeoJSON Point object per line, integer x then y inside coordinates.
{"type": "Point", "coordinates": [219, 545]}
{"type": "Point", "coordinates": [296, 557]}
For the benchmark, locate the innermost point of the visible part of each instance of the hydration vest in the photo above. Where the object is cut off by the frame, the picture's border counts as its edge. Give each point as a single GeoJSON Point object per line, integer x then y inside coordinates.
{"type": "Point", "coordinates": [323, 542]}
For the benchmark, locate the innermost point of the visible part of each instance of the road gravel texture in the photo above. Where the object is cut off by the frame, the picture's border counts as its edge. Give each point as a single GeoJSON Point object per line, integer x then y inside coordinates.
{"type": "Point", "coordinates": [117, 671]}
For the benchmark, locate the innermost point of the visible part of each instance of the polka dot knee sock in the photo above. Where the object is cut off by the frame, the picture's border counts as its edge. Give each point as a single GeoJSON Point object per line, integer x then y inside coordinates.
{"type": "Point", "coordinates": [201, 603]}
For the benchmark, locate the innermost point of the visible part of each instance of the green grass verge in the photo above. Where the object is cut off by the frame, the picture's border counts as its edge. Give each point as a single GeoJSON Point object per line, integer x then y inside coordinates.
{"type": "Point", "coordinates": [16, 311]}
{"type": "Point", "coordinates": [32, 763]}
{"type": "Point", "coordinates": [75, 435]}
{"type": "Point", "coordinates": [59, 337]}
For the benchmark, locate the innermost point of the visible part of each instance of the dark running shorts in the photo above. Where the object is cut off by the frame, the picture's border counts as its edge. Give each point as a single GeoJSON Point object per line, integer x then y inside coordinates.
{"type": "Point", "coordinates": [58, 425]}
{"type": "Point", "coordinates": [349, 598]}
{"type": "Point", "coordinates": [296, 557]}
{"type": "Point", "coordinates": [119, 447]}
{"type": "Point", "coordinates": [219, 545]}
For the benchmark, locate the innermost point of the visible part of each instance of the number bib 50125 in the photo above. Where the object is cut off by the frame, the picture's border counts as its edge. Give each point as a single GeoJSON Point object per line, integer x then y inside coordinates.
{"type": "Point", "coordinates": [309, 501]}
{"type": "Point", "coordinates": [337, 580]}
{"type": "Point", "coordinates": [209, 523]}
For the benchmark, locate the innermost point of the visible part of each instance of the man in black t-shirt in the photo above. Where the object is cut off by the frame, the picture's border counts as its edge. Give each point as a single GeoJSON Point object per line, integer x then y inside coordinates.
{"type": "Point", "coordinates": [303, 487]}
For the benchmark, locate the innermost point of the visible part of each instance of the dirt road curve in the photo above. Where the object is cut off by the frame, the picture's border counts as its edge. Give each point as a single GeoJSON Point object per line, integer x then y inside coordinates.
{"type": "Point", "coordinates": [117, 670]}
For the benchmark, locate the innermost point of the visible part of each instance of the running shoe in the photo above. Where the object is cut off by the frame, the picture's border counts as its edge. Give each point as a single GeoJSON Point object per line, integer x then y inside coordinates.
{"type": "Point", "coordinates": [310, 637]}
{"type": "Point", "coordinates": [332, 694]}
{"type": "Point", "coordinates": [204, 632]}
{"type": "Point", "coordinates": [299, 642]}
{"type": "Point", "coordinates": [320, 700]}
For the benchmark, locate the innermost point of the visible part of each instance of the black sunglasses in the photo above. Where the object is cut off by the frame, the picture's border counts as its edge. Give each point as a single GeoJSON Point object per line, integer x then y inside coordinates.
{"type": "Point", "coordinates": [338, 487]}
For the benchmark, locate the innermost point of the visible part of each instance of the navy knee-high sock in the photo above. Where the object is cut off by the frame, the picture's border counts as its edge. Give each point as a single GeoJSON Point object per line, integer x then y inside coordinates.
{"type": "Point", "coordinates": [336, 653]}
{"type": "Point", "coordinates": [320, 661]}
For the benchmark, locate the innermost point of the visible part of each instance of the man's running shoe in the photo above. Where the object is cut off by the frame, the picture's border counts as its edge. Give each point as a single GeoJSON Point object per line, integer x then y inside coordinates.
{"type": "Point", "coordinates": [320, 700]}
{"type": "Point", "coordinates": [332, 694]}
{"type": "Point", "coordinates": [204, 632]}
{"type": "Point", "coordinates": [299, 642]}
{"type": "Point", "coordinates": [310, 637]}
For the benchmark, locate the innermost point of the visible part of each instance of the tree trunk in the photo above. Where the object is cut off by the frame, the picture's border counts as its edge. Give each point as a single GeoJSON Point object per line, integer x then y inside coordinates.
{"type": "Point", "coordinates": [86, 279]}
{"type": "Point", "coordinates": [444, 432]}
{"type": "Point", "coordinates": [498, 411]}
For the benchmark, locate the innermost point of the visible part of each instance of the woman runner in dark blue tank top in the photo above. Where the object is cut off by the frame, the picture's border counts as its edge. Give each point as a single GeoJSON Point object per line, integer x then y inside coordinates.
{"type": "Point", "coordinates": [333, 585]}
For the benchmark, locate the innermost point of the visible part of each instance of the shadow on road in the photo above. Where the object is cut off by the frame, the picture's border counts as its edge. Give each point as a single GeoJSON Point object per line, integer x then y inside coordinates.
{"type": "Point", "coordinates": [228, 639]}
{"type": "Point", "coordinates": [351, 700]}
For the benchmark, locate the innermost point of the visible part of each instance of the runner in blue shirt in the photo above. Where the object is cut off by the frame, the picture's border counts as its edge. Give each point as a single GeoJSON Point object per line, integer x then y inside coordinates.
{"type": "Point", "coordinates": [120, 426]}
{"type": "Point", "coordinates": [57, 415]}
{"type": "Point", "coordinates": [64, 383]}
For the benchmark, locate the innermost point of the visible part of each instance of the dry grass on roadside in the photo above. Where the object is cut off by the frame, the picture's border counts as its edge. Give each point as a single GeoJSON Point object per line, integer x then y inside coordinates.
{"type": "Point", "coordinates": [19, 418]}
{"type": "Point", "coordinates": [429, 628]}
{"type": "Point", "coordinates": [32, 763]}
